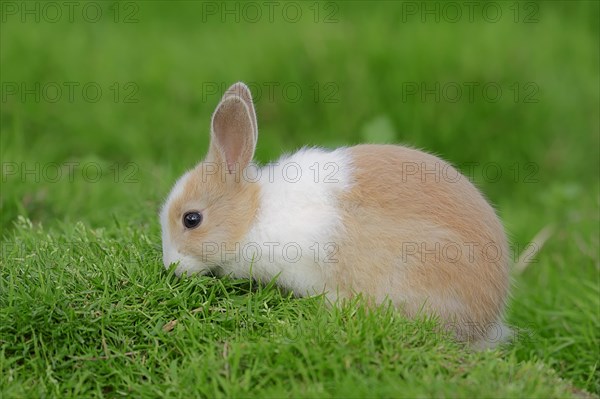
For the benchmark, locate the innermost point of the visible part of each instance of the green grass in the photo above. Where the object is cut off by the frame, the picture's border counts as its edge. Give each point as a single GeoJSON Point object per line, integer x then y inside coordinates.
{"type": "Point", "coordinates": [86, 308]}
{"type": "Point", "coordinates": [96, 317]}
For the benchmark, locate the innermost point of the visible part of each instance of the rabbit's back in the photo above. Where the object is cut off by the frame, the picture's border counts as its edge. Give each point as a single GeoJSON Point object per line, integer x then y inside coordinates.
{"type": "Point", "coordinates": [418, 232]}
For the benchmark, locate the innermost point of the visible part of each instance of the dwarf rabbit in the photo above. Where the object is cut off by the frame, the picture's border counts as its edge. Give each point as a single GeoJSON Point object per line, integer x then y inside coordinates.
{"type": "Point", "coordinates": [385, 221]}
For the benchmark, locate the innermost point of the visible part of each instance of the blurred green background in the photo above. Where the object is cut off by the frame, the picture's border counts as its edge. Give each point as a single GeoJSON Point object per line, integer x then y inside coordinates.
{"type": "Point", "coordinates": [514, 93]}
{"type": "Point", "coordinates": [508, 92]}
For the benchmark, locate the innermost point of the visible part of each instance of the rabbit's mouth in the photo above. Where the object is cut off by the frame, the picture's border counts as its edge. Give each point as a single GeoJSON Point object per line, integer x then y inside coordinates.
{"type": "Point", "coordinates": [185, 265]}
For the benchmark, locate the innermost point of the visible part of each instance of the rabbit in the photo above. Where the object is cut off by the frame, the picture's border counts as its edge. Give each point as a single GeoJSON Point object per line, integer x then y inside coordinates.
{"type": "Point", "coordinates": [388, 222]}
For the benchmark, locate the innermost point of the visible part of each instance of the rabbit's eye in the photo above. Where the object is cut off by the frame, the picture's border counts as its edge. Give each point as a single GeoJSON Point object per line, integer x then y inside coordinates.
{"type": "Point", "coordinates": [192, 219]}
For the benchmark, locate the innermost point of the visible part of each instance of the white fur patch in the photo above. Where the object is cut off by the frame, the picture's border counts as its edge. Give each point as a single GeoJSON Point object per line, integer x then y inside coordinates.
{"type": "Point", "coordinates": [298, 216]}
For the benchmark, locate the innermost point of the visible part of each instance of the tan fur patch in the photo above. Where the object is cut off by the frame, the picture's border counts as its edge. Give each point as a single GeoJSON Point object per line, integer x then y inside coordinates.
{"type": "Point", "coordinates": [228, 204]}
{"type": "Point", "coordinates": [423, 236]}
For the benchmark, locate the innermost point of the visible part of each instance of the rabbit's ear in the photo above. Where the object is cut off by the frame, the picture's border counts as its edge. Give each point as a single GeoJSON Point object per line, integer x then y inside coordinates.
{"type": "Point", "coordinates": [233, 140]}
{"type": "Point", "coordinates": [241, 90]}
